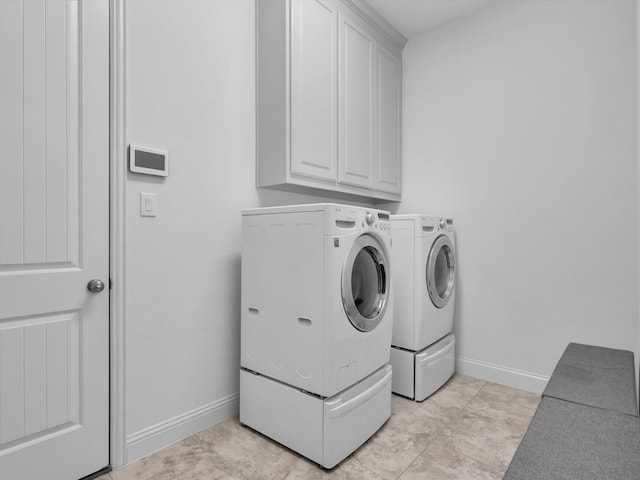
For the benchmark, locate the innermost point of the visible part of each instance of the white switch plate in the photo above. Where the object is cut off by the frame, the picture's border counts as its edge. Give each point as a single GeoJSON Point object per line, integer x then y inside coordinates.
{"type": "Point", "coordinates": [148, 204]}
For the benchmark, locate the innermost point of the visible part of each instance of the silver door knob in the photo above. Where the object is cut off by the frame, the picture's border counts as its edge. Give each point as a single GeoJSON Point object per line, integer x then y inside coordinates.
{"type": "Point", "coordinates": [95, 286]}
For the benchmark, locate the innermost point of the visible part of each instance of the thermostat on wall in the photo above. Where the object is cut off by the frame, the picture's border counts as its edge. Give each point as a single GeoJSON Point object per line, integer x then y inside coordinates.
{"type": "Point", "coordinates": [148, 161]}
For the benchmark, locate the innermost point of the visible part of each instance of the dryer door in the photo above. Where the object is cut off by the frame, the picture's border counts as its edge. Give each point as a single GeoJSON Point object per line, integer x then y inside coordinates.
{"type": "Point", "coordinates": [441, 269]}
{"type": "Point", "coordinates": [365, 283]}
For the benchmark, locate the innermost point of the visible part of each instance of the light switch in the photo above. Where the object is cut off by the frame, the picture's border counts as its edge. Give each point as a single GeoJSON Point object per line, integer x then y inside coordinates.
{"type": "Point", "coordinates": [148, 204]}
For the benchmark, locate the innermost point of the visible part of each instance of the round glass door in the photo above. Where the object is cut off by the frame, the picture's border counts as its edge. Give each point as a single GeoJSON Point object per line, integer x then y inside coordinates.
{"type": "Point", "coordinates": [365, 283]}
{"type": "Point", "coordinates": [441, 270]}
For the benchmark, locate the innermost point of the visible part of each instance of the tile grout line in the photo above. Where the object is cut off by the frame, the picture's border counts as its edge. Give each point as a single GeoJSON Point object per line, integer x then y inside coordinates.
{"type": "Point", "coordinates": [440, 433]}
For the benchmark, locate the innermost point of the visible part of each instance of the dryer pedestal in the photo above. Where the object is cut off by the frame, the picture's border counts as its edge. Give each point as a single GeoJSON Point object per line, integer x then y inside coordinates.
{"type": "Point", "coordinates": [324, 430]}
{"type": "Point", "coordinates": [417, 375]}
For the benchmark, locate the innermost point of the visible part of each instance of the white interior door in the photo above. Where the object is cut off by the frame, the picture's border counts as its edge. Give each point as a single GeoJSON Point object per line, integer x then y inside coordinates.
{"type": "Point", "coordinates": [54, 174]}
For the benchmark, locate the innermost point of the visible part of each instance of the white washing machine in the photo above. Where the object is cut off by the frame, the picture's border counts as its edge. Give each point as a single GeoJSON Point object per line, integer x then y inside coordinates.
{"type": "Point", "coordinates": [423, 344]}
{"type": "Point", "coordinates": [316, 324]}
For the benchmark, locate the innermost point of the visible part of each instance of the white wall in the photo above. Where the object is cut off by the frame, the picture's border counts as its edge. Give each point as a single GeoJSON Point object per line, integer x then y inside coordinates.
{"type": "Point", "coordinates": [190, 89]}
{"type": "Point", "coordinates": [520, 122]}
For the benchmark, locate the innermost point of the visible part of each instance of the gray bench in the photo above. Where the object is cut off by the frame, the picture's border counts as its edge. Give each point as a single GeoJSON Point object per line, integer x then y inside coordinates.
{"type": "Point", "coordinates": [587, 425]}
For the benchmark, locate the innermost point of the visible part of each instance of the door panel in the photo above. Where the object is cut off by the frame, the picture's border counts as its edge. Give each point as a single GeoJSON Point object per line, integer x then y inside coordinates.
{"type": "Point", "coordinates": [356, 89]}
{"type": "Point", "coordinates": [314, 125]}
{"type": "Point", "coordinates": [389, 77]}
{"type": "Point", "coordinates": [39, 376]}
{"type": "Point", "coordinates": [54, 174]}
{"type": "Point", "coordinates": [40, 175]}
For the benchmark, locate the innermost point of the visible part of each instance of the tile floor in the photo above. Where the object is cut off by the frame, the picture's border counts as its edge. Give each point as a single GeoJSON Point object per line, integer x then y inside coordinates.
{"type": "Point", "coordinates": [469, 429]}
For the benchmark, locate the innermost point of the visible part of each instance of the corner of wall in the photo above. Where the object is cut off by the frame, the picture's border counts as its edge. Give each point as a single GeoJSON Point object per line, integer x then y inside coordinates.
{"type": "Point", "coordinates": [637, 352]}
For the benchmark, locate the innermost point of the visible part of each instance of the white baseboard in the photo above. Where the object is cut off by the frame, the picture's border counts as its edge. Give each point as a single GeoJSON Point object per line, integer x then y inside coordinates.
{"type": "Point", "coordinates": [510, 377]}
{"type": "Point", "coordinates": [161, 435]}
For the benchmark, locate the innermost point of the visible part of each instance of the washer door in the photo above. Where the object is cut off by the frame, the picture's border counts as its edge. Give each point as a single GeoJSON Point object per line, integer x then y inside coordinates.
{"type": "Point", "coordinates": [365, 283]}
{"type": "Point", "coordinates": [441, 269]}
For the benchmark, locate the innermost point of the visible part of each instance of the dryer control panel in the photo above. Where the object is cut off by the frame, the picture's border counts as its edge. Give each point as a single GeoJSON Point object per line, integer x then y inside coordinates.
{"type": "Point", "coordinates": [428, 225]}
{"type": "Point", "coordinates": [445, 225]}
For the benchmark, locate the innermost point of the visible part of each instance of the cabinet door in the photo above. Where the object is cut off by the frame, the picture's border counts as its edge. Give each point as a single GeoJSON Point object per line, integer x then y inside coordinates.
{"type": "Point", "coordinates": [388, 151]}
{"type": "Point", "coordinates": [314, 119]}
{"type": "Point", "coordinates": [356, 104]}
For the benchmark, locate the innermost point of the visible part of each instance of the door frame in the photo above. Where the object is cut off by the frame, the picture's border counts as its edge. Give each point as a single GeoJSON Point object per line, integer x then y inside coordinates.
{"type": "Point", "coordinates": [117, 172]}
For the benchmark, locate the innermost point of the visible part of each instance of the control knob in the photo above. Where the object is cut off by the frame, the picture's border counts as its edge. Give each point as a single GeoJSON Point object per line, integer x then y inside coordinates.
{"type": "Point", "coordinates": [369, 218]}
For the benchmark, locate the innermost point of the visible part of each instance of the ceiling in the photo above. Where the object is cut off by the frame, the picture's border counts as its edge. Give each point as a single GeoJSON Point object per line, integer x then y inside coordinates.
{"type": "Point", "coordinates": [414, 17]}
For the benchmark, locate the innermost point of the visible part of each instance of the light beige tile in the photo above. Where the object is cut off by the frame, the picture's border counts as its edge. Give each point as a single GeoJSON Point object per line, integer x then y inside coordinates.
{"type": "Point", "coordinates": [437, 463]}
{"type": "Point", "coordinates": [185, 459]}
{"type": "Point", "coordinates": [477, 437]}
{"type": "Point", "coordinates": [252, 454]}
{"type": "Point", "coordinates": [430, 408]}
{"type": "Point", "coordinates": [506, 406]}
{"type": "Point", "coordinates": [349, 469]}
{"type": "Point", "coordinates": [426, 417]}
{"type": "Point", "coordinates": [458, 391]}
{"type": "Point", "coordinates": [391, 451]}
{"type": "Point", "coordinates": [211, 467]}
{"type": "Point", "coordinates": [445, 414]}
{"type": "Point", "coordinates": [399, 403]}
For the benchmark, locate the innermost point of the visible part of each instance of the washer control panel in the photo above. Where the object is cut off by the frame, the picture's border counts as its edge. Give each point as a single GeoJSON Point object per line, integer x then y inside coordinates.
{"type": "Point", "coordinates": [377, 220]}
{"type": "Point", "coordinates": [348, 218]}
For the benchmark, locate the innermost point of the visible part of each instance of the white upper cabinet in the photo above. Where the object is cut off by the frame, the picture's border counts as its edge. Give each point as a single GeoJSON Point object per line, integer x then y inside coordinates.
{"type": "Point", "coordinates": [314, 86]}
{"type": "Point", "coordinates": [388, 121]}
{"type": "Point", "coordinates": [356, 103]}
{"type": "Point", "coordinates": [328, 99]}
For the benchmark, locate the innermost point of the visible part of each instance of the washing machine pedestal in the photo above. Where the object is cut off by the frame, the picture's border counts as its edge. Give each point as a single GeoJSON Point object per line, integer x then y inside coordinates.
{"type": "Point", "coordinates": [325, 431]}
{"type": "Point", "coordinates": [417, 375]}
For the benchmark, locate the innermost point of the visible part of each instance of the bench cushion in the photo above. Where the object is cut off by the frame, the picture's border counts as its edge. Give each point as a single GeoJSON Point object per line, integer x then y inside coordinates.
{"type": "Point", "coordinates": [570, 441]}
{"type": "Point", "coordinates": [595, 376]}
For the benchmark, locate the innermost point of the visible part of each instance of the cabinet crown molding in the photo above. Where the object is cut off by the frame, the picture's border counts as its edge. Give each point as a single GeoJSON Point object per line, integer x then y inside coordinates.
{"type": "Point", "coordinates": [362, 8]}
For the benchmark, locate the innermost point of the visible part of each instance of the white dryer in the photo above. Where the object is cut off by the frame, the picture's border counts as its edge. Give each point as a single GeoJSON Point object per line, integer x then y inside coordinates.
{"type": "Point", "coordinates": [423, 258]}
{"type": "Point", "coordinates": [316, 324]}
